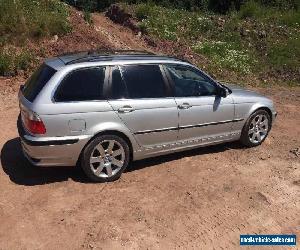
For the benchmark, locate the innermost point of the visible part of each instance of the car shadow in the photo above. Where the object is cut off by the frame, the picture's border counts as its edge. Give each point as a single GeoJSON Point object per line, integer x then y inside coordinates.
{"type": "Point", "coordinates": [21, 172]}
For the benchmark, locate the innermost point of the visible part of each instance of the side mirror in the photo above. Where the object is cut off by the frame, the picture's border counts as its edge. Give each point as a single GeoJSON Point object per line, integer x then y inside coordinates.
{"type": "Point", "coordinates": [223, 92]}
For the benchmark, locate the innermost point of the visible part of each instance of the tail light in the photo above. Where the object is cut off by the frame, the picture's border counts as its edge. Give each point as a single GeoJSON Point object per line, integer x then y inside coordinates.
{"type": "Point", "coordinates": [33, 123]}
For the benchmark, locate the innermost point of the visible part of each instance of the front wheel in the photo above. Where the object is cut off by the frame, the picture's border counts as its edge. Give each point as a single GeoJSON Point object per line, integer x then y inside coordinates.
{"type": "Point", "coordinates": [256, 129]}
{"type": "Point", "coordinates": [105, 158]}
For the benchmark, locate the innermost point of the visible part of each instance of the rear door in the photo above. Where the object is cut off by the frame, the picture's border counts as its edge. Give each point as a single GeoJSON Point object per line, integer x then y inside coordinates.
{"type": "Point", "coordinates": [141, 96]}
{"type": "Point", "coordinates": [203, 115]}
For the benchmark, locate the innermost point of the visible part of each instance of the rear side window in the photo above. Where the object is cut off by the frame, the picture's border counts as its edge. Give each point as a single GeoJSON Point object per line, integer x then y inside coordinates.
{"type": "Point", "coordinates": [37, 81]}
{"type": "Point", "coordinates": [144, 81]}
{"type": "Point", "coordinates": [82, 85]}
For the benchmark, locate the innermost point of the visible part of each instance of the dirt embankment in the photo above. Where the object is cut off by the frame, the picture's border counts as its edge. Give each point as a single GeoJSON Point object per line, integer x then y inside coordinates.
{"type": "Point", "coordinates": [200, 199]}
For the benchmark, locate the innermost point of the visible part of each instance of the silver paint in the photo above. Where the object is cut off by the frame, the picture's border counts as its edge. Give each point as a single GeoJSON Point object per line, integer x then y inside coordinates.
{"type": "Point", "coordinates": [153, 126]}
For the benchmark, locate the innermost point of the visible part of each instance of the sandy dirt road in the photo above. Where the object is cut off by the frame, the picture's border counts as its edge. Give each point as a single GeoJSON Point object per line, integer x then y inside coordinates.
{"type": "Point", "coordinates": [199, 199]}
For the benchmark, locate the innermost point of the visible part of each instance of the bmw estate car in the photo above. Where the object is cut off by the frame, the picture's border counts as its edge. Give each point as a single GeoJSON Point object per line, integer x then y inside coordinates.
{"type": "Point", "coordinates": [102, 110]}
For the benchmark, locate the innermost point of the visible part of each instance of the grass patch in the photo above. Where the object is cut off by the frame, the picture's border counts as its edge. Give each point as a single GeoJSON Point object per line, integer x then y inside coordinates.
{"type": "Point", "coordinates": [172, 24]}
{"type": "Point", "coordinates": [273, 15]}
{"type": "Point", "coordinates": [285, 55]}
{"type": "Point", "coordinates": [252, 41]}
{"type": "Point", "coordinates": [226, 55]}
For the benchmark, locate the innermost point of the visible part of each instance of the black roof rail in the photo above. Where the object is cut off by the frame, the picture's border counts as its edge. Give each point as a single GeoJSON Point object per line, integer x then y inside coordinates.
{"type": "Point", "coordinates": [93, 55]}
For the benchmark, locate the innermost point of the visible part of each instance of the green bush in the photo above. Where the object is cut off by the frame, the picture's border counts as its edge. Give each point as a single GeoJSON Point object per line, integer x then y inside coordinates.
{"type": "Point", "coordinates": [224, 6]}
{"type": "Point", "coordinates": [32, 18]}
{"type": "Point", "coordinates": [87, 16]}
{"type": "Point", "coordinates": [142, 11]}
{"type": "Point", "coordinates": [12, 60]}
{"type": "Point", "coordinates": [91, 5]}
{"type": "Point", "coordinates": [282, 4]}
{"type": "Point", "coordinates": [23, 60]}
{"type": "Point", "coordinates": [5, 63]}
{"type": "Point", "coordinates": [250, 9]}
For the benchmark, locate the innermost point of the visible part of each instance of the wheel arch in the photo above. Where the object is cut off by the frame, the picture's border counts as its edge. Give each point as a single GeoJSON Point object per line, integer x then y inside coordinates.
{"type": "Point", "coordinates": [256, 108]}
{"type": "Point", "coordinates": [110, 132]}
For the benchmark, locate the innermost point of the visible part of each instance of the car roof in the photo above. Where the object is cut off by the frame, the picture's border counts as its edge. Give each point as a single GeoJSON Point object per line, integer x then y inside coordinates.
{"type": "Point", "coordinates": [107, 56]}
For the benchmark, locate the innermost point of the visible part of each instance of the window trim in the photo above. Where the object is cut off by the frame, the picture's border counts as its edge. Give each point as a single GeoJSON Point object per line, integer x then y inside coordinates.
{"type": "Point", "coordinates": [168, 87]}
{"type": "Point", "coordinates": [105, 84]}
{"type": "Point", "coordinates": [194, 69]}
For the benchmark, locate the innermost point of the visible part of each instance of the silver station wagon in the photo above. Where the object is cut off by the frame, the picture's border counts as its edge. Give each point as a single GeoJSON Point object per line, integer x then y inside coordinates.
{"type": "Point", "coordinates": [102, 110]}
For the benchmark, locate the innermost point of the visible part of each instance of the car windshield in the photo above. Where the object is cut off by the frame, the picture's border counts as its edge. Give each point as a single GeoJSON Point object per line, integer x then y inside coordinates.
{"type": "Point", "coordinates": [37, 81]}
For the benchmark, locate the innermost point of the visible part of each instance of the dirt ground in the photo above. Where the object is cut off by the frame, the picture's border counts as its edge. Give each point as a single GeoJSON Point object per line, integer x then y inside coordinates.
{"type": "Point", "coordinates": [199, 199]}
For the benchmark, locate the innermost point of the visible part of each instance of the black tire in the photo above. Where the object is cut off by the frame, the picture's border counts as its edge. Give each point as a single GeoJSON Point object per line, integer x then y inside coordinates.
{"type": "Point", "coordinates": [245, 137]}
{"type": "Point", "coordinates": [89, 149]}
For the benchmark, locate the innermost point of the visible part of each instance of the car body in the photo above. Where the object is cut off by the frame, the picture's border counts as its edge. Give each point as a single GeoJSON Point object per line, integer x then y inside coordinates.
{"type": "Point", "coordinates": [132, 105]}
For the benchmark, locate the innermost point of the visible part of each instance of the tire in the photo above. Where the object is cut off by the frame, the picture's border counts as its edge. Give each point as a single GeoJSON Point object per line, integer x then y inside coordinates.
{"type": "Point", "coordinates": [256, 128]}
{"type": "Point", "coordinates": [105, 158]}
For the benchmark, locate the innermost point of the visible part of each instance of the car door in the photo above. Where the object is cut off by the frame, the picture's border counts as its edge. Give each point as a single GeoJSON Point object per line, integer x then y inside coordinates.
{"type": "Point", "coordinates": [141, 96]}
{"type": "Point", "coordinates": [204, 116]}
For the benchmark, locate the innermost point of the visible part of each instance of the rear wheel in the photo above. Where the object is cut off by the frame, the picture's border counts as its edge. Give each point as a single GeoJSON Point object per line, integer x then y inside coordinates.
{"type": "Point", "coordinates": [105, 158]}
{"type": "Point", "coordinates": [256, 128]}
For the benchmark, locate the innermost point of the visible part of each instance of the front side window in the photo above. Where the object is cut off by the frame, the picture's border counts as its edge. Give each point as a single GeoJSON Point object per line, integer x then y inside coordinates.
{"type": "Point", "coordinates": [144, 81]}
{"type": "Point", "coordinates": [189, 82]}
{"type": "Point", "coordinates": [82, 85]}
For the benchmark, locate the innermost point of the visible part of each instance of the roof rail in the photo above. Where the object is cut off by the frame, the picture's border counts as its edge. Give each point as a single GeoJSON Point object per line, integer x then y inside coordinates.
{"type": "Point", "coordinates": [101, 54]}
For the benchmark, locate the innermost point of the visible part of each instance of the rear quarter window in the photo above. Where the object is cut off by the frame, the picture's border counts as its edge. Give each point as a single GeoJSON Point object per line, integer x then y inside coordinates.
{"type": "Point", "coordinates": [37, 81]}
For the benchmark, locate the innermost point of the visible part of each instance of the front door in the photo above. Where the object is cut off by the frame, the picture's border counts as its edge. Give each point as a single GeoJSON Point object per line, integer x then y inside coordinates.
{"type": "Point", "coordinates": [141, 97]}
{"type": "Point", "coordinates": [203, 115]}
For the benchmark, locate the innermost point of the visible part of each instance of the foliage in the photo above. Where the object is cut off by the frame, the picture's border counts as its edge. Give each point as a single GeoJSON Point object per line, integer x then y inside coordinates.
{"type": "Point", "coordinates": [22, 18]}
{"type": "Point", "coordinates": [91, 5]}
{"type": "Point", "coordinates": [87, 16]}
{"type": "Point", "coordinates": [217, 6]}
{"type": "Point", "coordinates": [5, 63]}
{"type": "Point", "coordinates": [251, 9]}
{"type": "Point", "coordinates": [11, 61]}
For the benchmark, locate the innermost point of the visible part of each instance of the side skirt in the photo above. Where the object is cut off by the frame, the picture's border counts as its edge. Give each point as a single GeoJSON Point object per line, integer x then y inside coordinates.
{"type": "Point", "coordinates": [185, 145]}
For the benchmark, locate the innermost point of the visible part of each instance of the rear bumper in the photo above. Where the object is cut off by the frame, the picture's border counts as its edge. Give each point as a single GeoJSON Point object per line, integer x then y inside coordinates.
{"type": "Point", "coordinates": [51, 151]}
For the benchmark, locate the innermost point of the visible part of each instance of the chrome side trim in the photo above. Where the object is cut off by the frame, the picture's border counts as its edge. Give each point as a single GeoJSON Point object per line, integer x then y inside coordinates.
{"type": "Point", "coordinates": [188, 126]}
{"type": "Point", "coordinates": [155, 130]}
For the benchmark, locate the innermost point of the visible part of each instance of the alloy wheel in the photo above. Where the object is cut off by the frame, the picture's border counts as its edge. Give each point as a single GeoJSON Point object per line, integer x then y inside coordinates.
{"type": "Point", "coordinates": [258, 128]}
{"type": "Point", "coordinates": [107, 158]}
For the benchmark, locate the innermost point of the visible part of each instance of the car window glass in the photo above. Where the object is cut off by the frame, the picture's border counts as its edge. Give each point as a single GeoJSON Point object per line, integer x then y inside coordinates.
{"type": "Point", "coordinates": [144, 81]}
{"type": "Point", "coordinates": [82, 85]}
{"type": "Point", "coordinates": [118, 88]}
{"type": "Point", "coordinates": [189, 82]}
{"type": "Point", "coordinates": [37, 82]}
